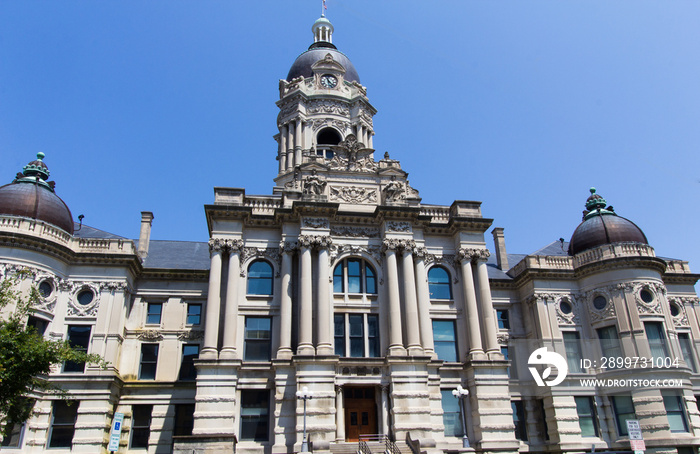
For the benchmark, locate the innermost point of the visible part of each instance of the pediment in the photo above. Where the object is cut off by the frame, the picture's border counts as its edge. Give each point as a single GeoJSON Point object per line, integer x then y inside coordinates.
{"type": "Point", "coordinates": [328, 64]}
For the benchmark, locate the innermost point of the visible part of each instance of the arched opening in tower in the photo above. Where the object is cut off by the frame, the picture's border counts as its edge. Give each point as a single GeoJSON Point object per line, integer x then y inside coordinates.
{"type": "Point", "coordinates": [325, 139]}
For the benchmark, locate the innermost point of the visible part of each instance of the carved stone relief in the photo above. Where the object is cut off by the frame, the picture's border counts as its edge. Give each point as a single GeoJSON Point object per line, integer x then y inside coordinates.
{"type": "Point", "coordinates": [604, 313]}
{"type": "Point", "coordinates": [353, 194]}
{"type": "Point", "coordinates": [314, 185]}
{"type": "Point", "coordinates": [190, 335]}
{"type": "Point", "coordinates": [76, 307]}
{"type": "Point", "coordinates": [251, 253]}
{"type": "Point", "coordinates": [150, 335]}
{"type": "Point", "coordinates": [328, 106]}
{"type": "Point", "coordinates": [394, 226]}
{"type": "Point", "coordinates": [315, 223]}
{"type": "Point", "coordinates": [354, 232]}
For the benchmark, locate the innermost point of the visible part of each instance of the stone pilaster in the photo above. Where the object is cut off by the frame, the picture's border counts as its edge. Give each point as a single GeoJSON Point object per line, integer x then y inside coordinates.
{"type": "Point", "coordinates": [213, 308]}
{"type": "Point", "coordinates": [285, 349]}
{"type": "Point", "coordinates": [228, 349]}
{"type": "Point", "coordinates": [395, 335]}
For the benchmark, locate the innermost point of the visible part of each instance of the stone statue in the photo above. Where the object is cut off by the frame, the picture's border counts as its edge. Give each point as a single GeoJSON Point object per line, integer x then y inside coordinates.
{"type": "Point", "coordinates": [314, 185]}
{"type": "Point", "coordinates": [394, 191]}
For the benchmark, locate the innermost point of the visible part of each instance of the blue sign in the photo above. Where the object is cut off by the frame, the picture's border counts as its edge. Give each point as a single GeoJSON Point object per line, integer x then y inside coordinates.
{"type": "Point", "coordinates": [116, 433]}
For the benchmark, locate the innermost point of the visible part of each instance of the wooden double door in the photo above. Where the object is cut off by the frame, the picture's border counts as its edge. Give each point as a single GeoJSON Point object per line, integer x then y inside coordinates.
{"type": "Point", "coordinates": [360, 412]}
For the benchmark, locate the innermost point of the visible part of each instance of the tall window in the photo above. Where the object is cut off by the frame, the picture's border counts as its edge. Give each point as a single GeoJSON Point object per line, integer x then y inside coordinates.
{"type": "Point", "coordinates": [451, 414]}
{"type": "Point", "coordinates": [354, 276]}
{"type": "Point", "coordinates": [509, 355]}
{"type": "Point", "coordinates": [572, 345]}
{"type": "Point", "coordinates": [445, 339]}
{"type": "Point", "coordinates": [12, 438]}
{"type": "Point", "coordinates": [624, 410]}
{"type": "Point", "coordinates": [79, 339]}
{"type": "Point", "coordinates": [687, 350]}
{"type": "Point", "coordinates": [439, 283]}
{"type": "Point", "coordinates": [190, 352]}
{"type": "Point", "coordinates": [587, 417]}
{"type": "Point", "coordinates": [184, 419]}
{"type": "Point", "coordinates": [153, 313]}
{"type": "Point", "coordinates": [260, 278]}
{"type": "Point", "coordinates": [610, 345]}
{"type": "Point", "coordinates": [503, 319]}
{"type": "Point", "coordinates": [519, 419]}
{"type": "Point", "coordinates": [255, 414]}
{"type": "Point", "coordinates": [39, 324]}
{"type": "Point", "coordinates": [63, 416]}
{"type": "Point", "coordinates": [140, 425]}
{"type": "Point", "coordinates": [149, 362]}
{"type": "Point", "coordinates": [356, 335]}
{"type": "Point", "coordinates": [657, 340]}
{"type": "Point", "coordinates": [674, 413]}
{"type": "Point", "coordinates": [194, 314]}
{"type": "Point", "coordinates": [257, 339]}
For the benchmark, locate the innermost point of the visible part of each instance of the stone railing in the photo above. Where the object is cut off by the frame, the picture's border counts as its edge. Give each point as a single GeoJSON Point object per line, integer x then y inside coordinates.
{"type": "Point", "coordinates": [677, 266]}
{"type": "Point", "coordinates": [610, 251]}
{"type": "Point", "coordinates": [52, 234]}
{"type": "Point", "coordinates": [439, 214]}
{"type": "Point", "coordinates": [262, 204]}
{"type": "Point", "coordinates": [544, 262]}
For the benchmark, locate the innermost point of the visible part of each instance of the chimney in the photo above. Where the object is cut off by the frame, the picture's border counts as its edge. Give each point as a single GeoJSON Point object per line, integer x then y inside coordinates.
{"type": "Point", "coordinates": [145, 235]}
{"type": "Point", "coordinates": [499, 241]}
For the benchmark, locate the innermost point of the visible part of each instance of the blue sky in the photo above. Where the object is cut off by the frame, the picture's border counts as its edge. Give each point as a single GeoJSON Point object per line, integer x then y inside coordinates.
{"type": "Point", "coordinates": [522, 104]}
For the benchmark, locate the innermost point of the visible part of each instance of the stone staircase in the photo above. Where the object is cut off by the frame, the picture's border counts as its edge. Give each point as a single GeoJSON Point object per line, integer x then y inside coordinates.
{"type": "Point", "coordinates": [375, 447]}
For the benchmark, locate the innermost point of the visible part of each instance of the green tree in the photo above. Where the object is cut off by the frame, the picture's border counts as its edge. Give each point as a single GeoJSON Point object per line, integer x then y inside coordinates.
{"type": "Point", "coordinates": [26, 356]}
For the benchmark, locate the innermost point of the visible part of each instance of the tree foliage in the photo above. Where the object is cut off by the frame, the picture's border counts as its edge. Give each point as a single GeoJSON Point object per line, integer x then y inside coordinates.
{"type": "Point", "coordinates": [26, 357]}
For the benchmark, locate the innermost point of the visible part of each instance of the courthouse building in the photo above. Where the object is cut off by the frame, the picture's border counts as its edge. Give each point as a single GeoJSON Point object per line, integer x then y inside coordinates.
{"type": "Point", "coordinates": [345, 286]}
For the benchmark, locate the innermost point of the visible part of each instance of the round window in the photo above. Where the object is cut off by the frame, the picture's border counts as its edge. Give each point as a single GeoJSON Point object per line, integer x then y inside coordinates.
{"type": "Point", "coordinates": [675, 310]}
{"type": "Point", "coordinates": [45, 289]}
{"type": "Point", "coordinates": [85, 297]}
{"type": "Point", "coordinates": [646, 296]}
{"type": "Point", "coordinates": [599, 302]}
{"type": "Point", "coordinates": [565, 307]}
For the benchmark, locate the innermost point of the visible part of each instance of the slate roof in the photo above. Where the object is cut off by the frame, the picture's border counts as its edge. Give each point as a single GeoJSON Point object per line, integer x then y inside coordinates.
{"type": "Point", "coordinates": [90, 232]}
{"type": "Point", "coordinates": [185, 255]}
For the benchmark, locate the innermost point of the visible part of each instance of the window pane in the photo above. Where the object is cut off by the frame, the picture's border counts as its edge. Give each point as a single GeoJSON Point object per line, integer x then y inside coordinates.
{"type": "Point", "coordinates": [624, 410]}
{"type": "Point", "coordinates": [63, 424]}
{"type": "Point", "coordinates": [675, 413]}
{"type": "Point", "coordinates": [574, 355]}
{"type": "Point", "coordinates": [12, 438]}
{"type": "Point", "coordinates": [439, 283]}
{"type": "Point", "coordinates": [357, 340]}
{"type": "Point", "coordinates": [184, 419]}
{"type": "Point", "coordinates": [373, 335]}
{"type": "Point", "coordinates": [140, 425]}
{"type": "Point", "coordinates": [587, 416]}
{"type": "Point", "coordinates": [149, 361]}
{"type": "Point", "coordinates": [260, 278]}
{"type": "Point", "coordinates": [257, 339]}
{"type": "Point", "coordinates": [444, 339]}
{"type": "Point", "coordinates": [255, 407]}
{"type": "Point", "coordinates": [610, 344]}
{"type": "Point", "coordinates": [687, 350]}
{"type": "Point", "coordinates": [519, 420]}
{"type": "Point", "coordinates": [339, 329]}
{"type": "Point", "coordinates": [338, 279]}
{"type": "Point", "coordinates": [189, 354]}
{"type": "Point", "coordinates": [79, 338]}
{"type": "Point", "coordinates": [451, 414]}
{"type": "Point", "coordinates": [371, 279]}
{"type": "Point", "coordinates": [194, 314]}
{"type": "Point", "coordinates": [354, 276]}
{"type": "Point", "coordinates": [154, 313]}
{"type": "Point", "coordinates": [503, 320]}
{"type": "Point", "coordinates": [657, 339]}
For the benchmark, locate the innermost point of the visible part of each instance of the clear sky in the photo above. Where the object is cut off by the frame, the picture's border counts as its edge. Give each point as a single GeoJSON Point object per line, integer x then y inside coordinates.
{"type": "Point", "coordinates": [522, 104]}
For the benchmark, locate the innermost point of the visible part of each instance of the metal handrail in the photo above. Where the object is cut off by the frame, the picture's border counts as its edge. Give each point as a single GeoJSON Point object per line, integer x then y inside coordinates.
{"type": "Point", "coordinates": [389, 446]}
{"type": "Point", "coordinates": [362, 447]}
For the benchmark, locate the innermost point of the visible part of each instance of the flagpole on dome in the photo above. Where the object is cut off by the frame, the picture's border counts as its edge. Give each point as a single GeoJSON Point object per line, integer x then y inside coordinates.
{"type": "Point", "coordinates": [323, 8]}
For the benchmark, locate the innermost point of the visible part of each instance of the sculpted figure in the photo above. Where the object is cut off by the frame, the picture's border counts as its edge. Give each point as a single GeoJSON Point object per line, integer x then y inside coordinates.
{"type": "Point", "coordinates": [394, 191]}
{"type": "Point", "coordinates": [314, 185]}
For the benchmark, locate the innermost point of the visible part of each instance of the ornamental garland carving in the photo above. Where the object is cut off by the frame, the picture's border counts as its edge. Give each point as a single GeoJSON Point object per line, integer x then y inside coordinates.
{"type": "Point", "coordinates": [606, 312]}
{"type": "Point", "coordinates": [150, 335]}
{"type": "Point", "coordinates": [353, 194]}
{"type": "Point", "coordinates": [252, 253]}
{"type": "Point", "coordinates": [448, 259]}
{"type": "Point", "coordinates": [473, 254]}
{"type": "Point", "coordinates": [680, 319]}
{"type": "Point", "coordinates": [646, 308]}
{"type": "Point", "coordinates": [315, 223]}
{"type": "Point", "coordinates": [190, 335]}
{"type": "Point", "coordinates": [328, 106]}
{"type": "Point", "coordinates": [572, 318]}
{"type": "Point", "coordinates": [46, 303]}
{"type": "Point", "coordinates": [394, 226]}
{"type": "Point", "coordinates": [319, 123]}
{"type": "Point", "coordinates": [354, 232]}
{"type": "Point", "coordinates": [372, 251]}
{"type": "Point", "coordinates": [76, 308]}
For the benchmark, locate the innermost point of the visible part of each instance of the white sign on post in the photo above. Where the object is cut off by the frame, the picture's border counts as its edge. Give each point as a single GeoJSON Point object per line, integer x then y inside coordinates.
{"type": "Point", "coordinates": [633, 429]}
{"type": "Point", "coordinates": [116, 433]}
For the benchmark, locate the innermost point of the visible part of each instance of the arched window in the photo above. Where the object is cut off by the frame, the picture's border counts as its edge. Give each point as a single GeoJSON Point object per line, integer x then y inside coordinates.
{"type": "Point", "coordinates": [325, 139]}
{"type": "Point", "coordinates": [354, 276]}
{"type": "Point", "coordinates": [439, 283]}
{"type": "Point", "coordinates": [260, 278]}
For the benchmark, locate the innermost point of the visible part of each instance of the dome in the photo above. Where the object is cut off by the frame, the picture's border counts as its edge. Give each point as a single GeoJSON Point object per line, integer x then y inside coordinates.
{"type": "Point", "coordinates": [603, 226]}
{"type": "Point", "coordinates": [31, 196]}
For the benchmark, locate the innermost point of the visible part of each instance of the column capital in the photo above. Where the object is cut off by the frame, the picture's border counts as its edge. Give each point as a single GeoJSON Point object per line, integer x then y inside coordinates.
{"type": "Point", "coordinates": [473, 254]}
{"type": "Point", "coordinates": [396, 245]}
{"type": "Point", "coordinates": [217, 245]}
{"type": "Point", "coordinates": [234, 246]}
{"type": "Point", "coordinates": [420, 252]}
{"type": "Point", "coordinates": [288, 247]}
{"type": "Point", "coordinates": [315, 241]}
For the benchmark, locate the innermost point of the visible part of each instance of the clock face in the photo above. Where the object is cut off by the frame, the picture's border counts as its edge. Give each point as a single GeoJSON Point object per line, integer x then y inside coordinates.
{"type": "Point", "coordinates": [329, 81]}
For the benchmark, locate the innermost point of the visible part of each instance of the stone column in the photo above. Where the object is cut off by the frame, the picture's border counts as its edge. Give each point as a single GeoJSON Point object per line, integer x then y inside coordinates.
{"type": "Point", "coordinates": [385, 410]}
{"type": "Point", "coordinates": [211, 319]}
{"type": "Point", "coordinates": [290, 145]}
{"type": "Point", "coordinates": [470, 306]}
{"type": "Point", "coordinates": [297, 143]}
{"type": "Point", "coordinates": [490, 328]}
{"type": "Point", "coordinates": [228, 350]}
{"type": "Point", "coordinates": [324, 320]}
{"type": "Point", "coordinates": [339, 415]}
{"type": "Point", "coordinates": [306, 346]}
{"type": "Point", "coordinates": [369, 139]}
{"type": "Point", "coordinates": [285, 349]}
{"type": "Point", "coordinates": [426, 326]}
{"type": "Point", "coordinates": [283, 148]}
{"type": "Point", "coordinates": [410, 301]}
{"type": "Point", "coordinates": [395, 335]}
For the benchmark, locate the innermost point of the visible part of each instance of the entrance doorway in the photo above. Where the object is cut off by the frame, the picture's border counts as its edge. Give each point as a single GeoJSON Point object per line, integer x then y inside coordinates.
{"type": "Point", "coordinates": [360, 412]}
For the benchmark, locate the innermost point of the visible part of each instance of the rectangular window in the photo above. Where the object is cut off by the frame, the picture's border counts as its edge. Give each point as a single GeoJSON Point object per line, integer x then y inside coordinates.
{"type": "Point", "coordinates": [503, 320]}
{"type": "Point", "coordinates": [357, 336]}
{"type": "Point", "coordinates": [149, 361]}
{"type": "Point", "coordinates": [372, 336]}
{"type": "Point", "coordinates": [519, 419]}
{"type": "Point", "coordinates": [153, 313]}
{"type": "Point", "coordinates": [587, 417]}
{"type": "Point", "coordinates": [358, 331]}
{"type": "Point", "coordinates": [339, 333]}
{"type": "Point", "coordinates": [624, 410]}
{"type": "Point", "coordinates": [451, 414]}
{"type": "Point", "coordinates": [505, 351]}
{"type": "Point", "coordinates": [12, 438]}
{"type": "Point", "coordinates": [39, 324]}
{"type": "Point", "coordinates": [610, 345]}
{"type": "Point", "coordinates": [354, 276]}
{"type": "Point", "coordinates": [542, 419]}
{"type": "Point", "coordinates": [63, 416]}
{"type": "Point", "coordinates": [255, 414]}
{"type": "Point", "coordinates": [687, 350]}
{"type": "Point", "coordinates": [572, 345]}
{"type": "Point", "coordinates": [657, 340]}
{"type": "Point", "coordinates": [79, 339]}
{"type": "Point", "coordinates": [194, 314]}
{"type": "Point", "coordinates": [184, 419]}
{"type": "Point", "coordinates": [190, 352]}
{"type": "Point", "coordinates": [445, 340]}
{"type": "Point", "coordinates": [675, 413]}
{"type": "Point", "coordinates": [257, 339]}
{"type": "Point", "coordinates": [140, 425]}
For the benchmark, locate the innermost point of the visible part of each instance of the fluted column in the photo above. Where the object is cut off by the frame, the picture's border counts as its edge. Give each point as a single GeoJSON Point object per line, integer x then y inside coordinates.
{"type": "Point", "coordinates": [339, 415]}
{"type": "Point", "coordinates": [395, 335]}
{"type": "Point", "coordinates": [285, 349]}
{"type": "Point", "coordinates": [426, 326]}
{"type": "Point", "coordinates": [324, 321]}
{"type": "Point", "coordinates": [490, 328]}
{"type": "Point", "coordinates": [211, 318]}
{"type": "Point", "coordinates": [228, 350]}
{"type": "Point", "coordinates": [283, 148]}
{"type": "Point", "coordinates": [470, 305]}
{"type": "Point", "coordinates": [297, 143]}
{"type": "Point", "coordinates": [410, 301]}
{"type": "Point", "coordinates": [306, 346]}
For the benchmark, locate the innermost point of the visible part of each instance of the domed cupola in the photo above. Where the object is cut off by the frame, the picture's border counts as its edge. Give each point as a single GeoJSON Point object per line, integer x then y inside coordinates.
{"type": "Point", "coordinates": [30, 195]}
{"type": "Point", "coordinates": [321, 47]}
{"type": "Point", "coordinates": [601, 226]}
